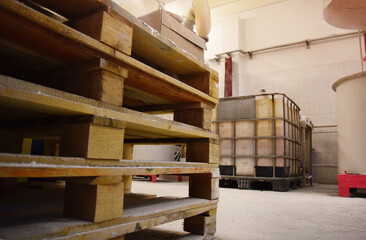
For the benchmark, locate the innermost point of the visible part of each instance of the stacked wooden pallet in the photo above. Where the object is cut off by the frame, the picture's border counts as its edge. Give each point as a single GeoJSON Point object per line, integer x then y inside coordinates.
{"type": "Point", "coordinates": [81, 75]}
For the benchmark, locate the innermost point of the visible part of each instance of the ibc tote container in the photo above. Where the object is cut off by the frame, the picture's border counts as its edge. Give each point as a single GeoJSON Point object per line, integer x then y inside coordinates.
{"type": "Point", "coordinates": [259, 136]}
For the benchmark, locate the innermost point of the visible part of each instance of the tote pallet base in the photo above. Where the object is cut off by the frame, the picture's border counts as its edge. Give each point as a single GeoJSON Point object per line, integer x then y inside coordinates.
{"type": "Point", "coordinates": [276, 184]}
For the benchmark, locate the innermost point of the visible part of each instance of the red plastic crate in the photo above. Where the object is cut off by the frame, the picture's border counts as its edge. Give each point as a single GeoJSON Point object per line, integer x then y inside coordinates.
{"type": "Point", "coordinates": [347, 181]}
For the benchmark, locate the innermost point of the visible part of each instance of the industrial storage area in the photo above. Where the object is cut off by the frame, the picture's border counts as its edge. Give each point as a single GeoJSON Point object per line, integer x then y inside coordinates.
{"type": "Point", "coordinates": [182, 119]}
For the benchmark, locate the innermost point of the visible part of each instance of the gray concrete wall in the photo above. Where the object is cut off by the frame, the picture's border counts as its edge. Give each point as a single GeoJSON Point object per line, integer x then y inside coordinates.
{"type": "Point", "coordinates": [325, 156]}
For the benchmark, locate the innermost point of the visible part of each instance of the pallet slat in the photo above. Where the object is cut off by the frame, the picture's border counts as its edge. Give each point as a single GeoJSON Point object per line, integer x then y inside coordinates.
{"type": "Point", "coordinates": [145, 214]}
{"type": "Point", "coordinates": [16, 94]}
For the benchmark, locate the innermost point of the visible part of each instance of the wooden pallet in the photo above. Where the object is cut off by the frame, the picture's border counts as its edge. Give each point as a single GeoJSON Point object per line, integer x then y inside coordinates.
{"type": "Point", "coordinates": [33, 53]}
{"type": "Point", "coordinates": [89, 96]}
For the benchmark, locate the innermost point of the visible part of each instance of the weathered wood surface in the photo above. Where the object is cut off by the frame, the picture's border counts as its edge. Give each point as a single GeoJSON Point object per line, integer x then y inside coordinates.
{"type": "Point", "coordinates": [105, 28]}
{"type": "Point", "coordinates": [16, 96]}
{"type": "Point", "coordinates": [144, 214]}
{"type": "Point", "coordinates": [34, 45]}
{"type": "Point", "coordinates": [164, 50]}
{"type": "Point", "coordinates": [202, 225]}
{"type": "Point", "coordinates": [48, 170]}
{"type": "Point", "coordinates": [83, 162]}
{"type": "Point", "coordinates": [42, 43]}
{"type": "Point", "coordinates": [93, 202]}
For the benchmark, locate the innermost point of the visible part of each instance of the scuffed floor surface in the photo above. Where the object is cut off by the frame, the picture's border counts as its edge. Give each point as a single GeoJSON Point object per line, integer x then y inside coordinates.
{"type": "Point", "coordinates": [307, 213]}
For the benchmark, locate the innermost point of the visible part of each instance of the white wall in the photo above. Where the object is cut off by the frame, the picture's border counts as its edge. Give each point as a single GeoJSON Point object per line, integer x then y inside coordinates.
{"type": "Point", "coordinates": [154, 152]}
{"type": "Point", "coordinates": [305, 75]}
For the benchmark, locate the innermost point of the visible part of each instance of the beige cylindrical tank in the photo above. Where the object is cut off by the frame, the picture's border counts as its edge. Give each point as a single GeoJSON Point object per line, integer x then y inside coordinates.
{"type": "Point", "coordinates": [351, 116]}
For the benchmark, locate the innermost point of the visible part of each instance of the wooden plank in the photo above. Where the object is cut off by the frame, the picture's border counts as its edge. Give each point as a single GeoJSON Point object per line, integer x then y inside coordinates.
{"type": "Point", "coordinates": [83, 162]}
{"type": "Point", "coordinates": [146, 214]}
{"type": "Point", "coordinates": [22, 95]}
{"type": "Point", "coordinates": [105, 28]}
{"type": "Point", "coordinates": [30, 35]}
{"type": "Point", "coordinates": [102, 180]}
{"type": "Point", "coordinates": [132, 198]}
{"type": "Point", "coordinates": [164, 109]}
{"type": "Point", "coordinates": [13, 165]}
{"type": "Point", "coordinates": [32, 170]}
{"type": "Point", "coordinates": [73, 9]}
{"type": "Point", "coordinates": [143, 77]}
{"type": "Point", "coordinates": [138, 225]}
{"type": "Point", "coordinates": [214, 84]}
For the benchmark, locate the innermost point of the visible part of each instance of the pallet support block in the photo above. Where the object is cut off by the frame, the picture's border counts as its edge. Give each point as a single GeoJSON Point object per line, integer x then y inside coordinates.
{"type": "Point", "coordinates": [94, 199]}
{"type": "Point", "coordinates": [205, 82]}
{"type": "Point", "coordinates": [204, 186]}
{"type": "Point", "coordinates": [91, 140]}
{"type": "Point", "coordinates": [100, 85]}
{"type": "Point", "coordinates": [203, 150]}
{"type": "Point", "coordinates": [200, 225]}
{"type": "Point", "coordinates": [111, 30]}
{"type": "Point", "coordinates": [98, 79]}
{"type": "Point", "coordinates": [199, 117]}
{"type": "Point", "coordinates": [127, 179]}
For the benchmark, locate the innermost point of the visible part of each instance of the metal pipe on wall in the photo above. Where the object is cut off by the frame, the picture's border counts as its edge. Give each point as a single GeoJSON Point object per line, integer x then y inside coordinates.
{"type": "Point", "coordinates": [306, 42]}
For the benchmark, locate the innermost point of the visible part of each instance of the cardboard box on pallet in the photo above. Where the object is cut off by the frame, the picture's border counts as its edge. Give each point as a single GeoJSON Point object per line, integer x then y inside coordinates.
{"type": "Point", "coordinates": [167, 24]}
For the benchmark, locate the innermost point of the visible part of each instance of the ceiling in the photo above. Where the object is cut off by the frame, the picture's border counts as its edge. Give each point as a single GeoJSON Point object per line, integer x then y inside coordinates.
{"type": "Point", "coordinates": [219, 8]}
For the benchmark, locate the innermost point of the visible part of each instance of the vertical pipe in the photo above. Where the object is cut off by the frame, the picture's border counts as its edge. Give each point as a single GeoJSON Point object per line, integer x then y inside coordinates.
{"type": "Point", "coordinates": [234, 144]}
{"type": "Point", "coordinates": [228, 77]}
{"type": "Point", "coordinates": [284, 134]}
{"type": "Point", "coordinates": [255, 139]}
{"type": "Point", "coordinates": [273, 139]}
{"type": "Point", "coordinates": [288, 133]}
{"type": "Point", "coordinates": [255, 148]}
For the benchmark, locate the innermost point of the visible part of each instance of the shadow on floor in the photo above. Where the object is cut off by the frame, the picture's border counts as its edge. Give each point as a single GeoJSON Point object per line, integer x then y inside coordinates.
{"type": "Point", "coordinates": [163, 234]}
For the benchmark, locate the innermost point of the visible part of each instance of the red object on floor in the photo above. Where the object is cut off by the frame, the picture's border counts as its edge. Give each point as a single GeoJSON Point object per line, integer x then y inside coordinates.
{"type": "Point", "coordinates": [347, 181]}
{"type": "Point", "coordinates": [153, 178]}
{"type": "Point", "coordinates": [180, 178]}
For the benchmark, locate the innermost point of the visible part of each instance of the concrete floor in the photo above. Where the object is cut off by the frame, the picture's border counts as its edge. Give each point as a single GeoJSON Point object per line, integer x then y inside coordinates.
{"type": "Point", "coordinates": [307, 213]}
